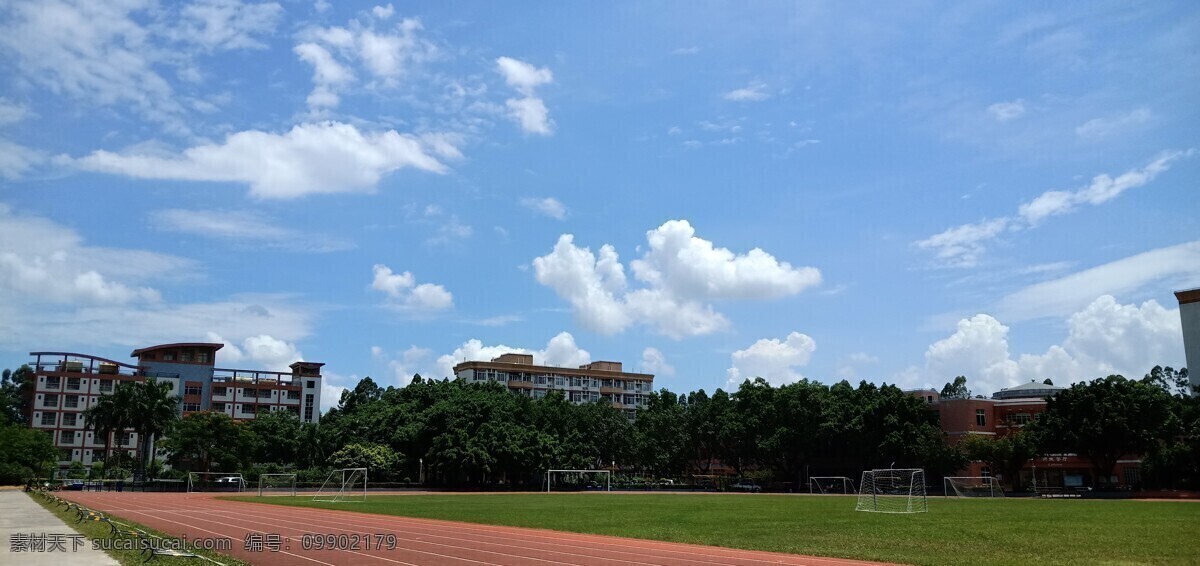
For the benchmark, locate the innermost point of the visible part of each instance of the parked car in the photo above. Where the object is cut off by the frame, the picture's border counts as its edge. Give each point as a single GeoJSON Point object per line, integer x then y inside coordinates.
{"type": "Point", "coordinates": [747, 486]}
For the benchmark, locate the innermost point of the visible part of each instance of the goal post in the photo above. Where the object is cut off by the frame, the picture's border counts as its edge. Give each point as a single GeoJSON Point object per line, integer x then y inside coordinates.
{"type": "Point", "coordinates": [973, 486]}
{"type": "Point", "coordinates": [827, 485]}
{"type": "Point", "coordinates": [892, 491]}
{"type": "Point", "coordinates": [276, 484]}
{"type": "Point", "coordinates": [345, 485]}
{"type": "Point", "coordinates": [215, 481]}
{"type": "Point", "coordinates": [596, 480]}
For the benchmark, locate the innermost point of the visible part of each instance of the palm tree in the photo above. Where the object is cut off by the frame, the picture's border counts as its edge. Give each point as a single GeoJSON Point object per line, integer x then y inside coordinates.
{"type": "Point", "coordinates": [155, 411]}
{"type": "Point", "coordinates": [111, 414]}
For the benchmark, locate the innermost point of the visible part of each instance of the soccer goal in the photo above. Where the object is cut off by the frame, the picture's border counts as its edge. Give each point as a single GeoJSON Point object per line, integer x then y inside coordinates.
{"type": "Point", "coordinates": [824, 485]}
{"type": "Point", "coordinates": [892, 491]}
{"type": "Point", "coordinates": [981, 486]}
{"type": "Point", "coordinates": [346, 485]}
{"type": "Point", "coordinates": [215, 481]}
{"type": "Point", "coordinates": [276, 484]}
{"type": "Point", "coordinates": [578, 480]}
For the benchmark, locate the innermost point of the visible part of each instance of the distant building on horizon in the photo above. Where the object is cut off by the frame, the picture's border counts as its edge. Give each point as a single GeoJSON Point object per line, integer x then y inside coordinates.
{"type": "Point", "coordinates": [66, 384]}
{"type": "Point", "coordinates": [1189, 316]}
{"type": "Point", "coordinates": [590, 382]}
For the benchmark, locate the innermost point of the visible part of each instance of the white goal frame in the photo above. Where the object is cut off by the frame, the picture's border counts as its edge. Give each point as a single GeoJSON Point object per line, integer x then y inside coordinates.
{"type": "Point", "coordinates": [815, 488]}
{"type": "Point", "coordinates": [987, 486]}
{"type": "Point", "coordinates": [191, 483]}
{"type": "Point", "coordinates": [287, 490]}
{"type": "Point", "coordinates": [342, 486]}
{"type": "Point", "coordinates": [892, 490]}
{"type": "Point", "coordinates": [607, 476]}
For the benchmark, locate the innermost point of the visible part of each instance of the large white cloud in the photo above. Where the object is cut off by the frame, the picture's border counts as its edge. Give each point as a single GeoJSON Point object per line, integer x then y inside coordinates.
{"type": "Point", "coordinates": [1103, 338]}
{"type": "Point", "coordinates": [404, 292]}
{"type": "Point", "coordinates": [529, 111]}
{"type": "Point", "coordinates": [962, 246]}
{"type": "Point", "coordinates": [682, 273]}
{"type": "Point", "coordinates": [772, 359]}
{"type": "Point", "coordinates": [326, 157]}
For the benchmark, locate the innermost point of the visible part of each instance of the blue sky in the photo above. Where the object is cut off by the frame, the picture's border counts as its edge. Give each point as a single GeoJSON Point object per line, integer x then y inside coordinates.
{"type": "Point", "coordinates": [704, 191]}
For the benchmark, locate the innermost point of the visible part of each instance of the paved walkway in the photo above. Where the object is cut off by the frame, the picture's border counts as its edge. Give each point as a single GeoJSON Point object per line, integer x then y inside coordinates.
{"type": "Point", "coordinates": [33, 527]}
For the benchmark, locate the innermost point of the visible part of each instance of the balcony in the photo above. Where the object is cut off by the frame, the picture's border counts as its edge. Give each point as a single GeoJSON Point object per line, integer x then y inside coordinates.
{"type": "Point", "coordinates": [516, 384]}
{"type": "Point", "coordinates": [253, 377]}
{"type": "Point", "coordinates": [70, 364]}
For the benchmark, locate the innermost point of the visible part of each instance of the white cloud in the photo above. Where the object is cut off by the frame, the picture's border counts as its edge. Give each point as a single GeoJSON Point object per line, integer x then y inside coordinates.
{"type": "Point", "coordinates": [385, 55]}
{"type": "Point", "coordinates": [548, 206]}
{"type": "Point", "coordinates": [1005, 111]}
{"type": "Point", "coordinates": [774, 360]}
{"type": "Point", "coordinates": [226, 24]}
{"type": "Point", "coordinates": [326, 157]}
{"type": "Point", "coordinates": [1097, 128]}
{"type": "Point", "coordinates": [752, 92]}
{"type": "Point", "coordinates": [962, 246]}
{"type": "Point", "coordinates": [529, 111]}
{"type": "Point", "coordinates": [412, 361]}
{"type": "Point", "coordinates": [404, 293]}
{"type": "Point", "coordinates": [654, 362]}
{"type": "Point", "coordinates": [851, 365]}
{"type": "Point", "coordinates": [245, 228]}
{"type": "Point", "coordinates": [1104, 338]}
{"type": "Point", "coordinates": [12, 112]}
{"type": "Point", "coordinates": [682, 272]}
{"type": "Point", "coordinates": [16, 159]}
{"type": "Point", "coordinates": [560, 351]}
{"type": "Point", "coordinates": [263, 351]}
{"type": "Point", "coordinates": [1175, 266]}
{"type": "Point", "coordinates": [449, 231]}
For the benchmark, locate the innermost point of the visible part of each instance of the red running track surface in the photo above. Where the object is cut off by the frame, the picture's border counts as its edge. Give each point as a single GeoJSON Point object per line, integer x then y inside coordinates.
{"type": "Point", "coordinates": [419, 541]}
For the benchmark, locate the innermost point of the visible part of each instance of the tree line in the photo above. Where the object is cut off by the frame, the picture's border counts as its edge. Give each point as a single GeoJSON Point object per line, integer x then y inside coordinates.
{"type": "Point", "coordinates": [457, 434]}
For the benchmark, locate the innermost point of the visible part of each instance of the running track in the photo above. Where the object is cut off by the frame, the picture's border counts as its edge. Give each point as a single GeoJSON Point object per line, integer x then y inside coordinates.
{"type": "Point", "coordinates": [419, 541]}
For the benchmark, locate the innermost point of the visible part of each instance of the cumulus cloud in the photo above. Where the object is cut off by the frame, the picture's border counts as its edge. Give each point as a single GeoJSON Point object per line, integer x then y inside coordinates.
{"type": "Point", "coordinates": [327, 157]}
{"type": "Point", "coordinates": [681, 272]}
{"type": "Point", "coordinates": [772, 359]}
{"type": "Point", "coordinates": [403, 291]}
{"type": "Point", "coordinates": [561, 351]}
{"type": "Point", "coordinates": [1104, 338]}
{"type": "Point", "coordinates": [752, 92]}
{"type": "Point", "coordinates": [263, 350]}
{"type": "Point", "coordinates": [1005, 111]}
{"type": "Point", "coordinates": [653, 361]}
{"type": "Point", "coordinates": [529, 111]}
{"type": "Point", "coordinates": [962, 246]}
{"type": "Point", "coordinates": [548, 206]}
{"type": "Point", "coordinates": [244, 228]}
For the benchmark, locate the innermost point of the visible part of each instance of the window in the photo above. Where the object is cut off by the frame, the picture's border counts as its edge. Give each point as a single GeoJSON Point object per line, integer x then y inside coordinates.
{"type": "Point", "coordinates": [69, 419]}
{"type": "Point", "coordinates": [294, 395]}
{"type": "Point", "coordinates": [1021, 419]}
{"type": "Point", "coordinates": [294, 410]}
{"type": "Point", "coordinates": [310, 384]}
{"type": "Point", "coordinates": [192, 390]}
{"type": "Point", "coordinates": [202, 357]}
{"type": "Point", "coordinates": [220, 391]}
{"type": "Point", "coordinates": [48, 419]}
{"type": "Point", "coordinates": [53, 382]}
{"type": "Point", "coordinates": [126, 439]}
{"type": "Point", "coordinates": [980, 417]}
{"type": "Point", "coordinates": [185, 356]}
{"type": "Point", "coordinates": [1133, 475]}
{"type": "Point", "coordinates": [66, 436]}
{"type": "Point", "coordinates": [218, 407]}
{"type": "Point", "coordinates": [73, 383]}
{"type": "Point", "coordinates": [308, 413]}
{"type": "Point", "coordinates": [50, 401]}
{"type": "Point", "coordinates": [106, 385]}
{"type": "Point", "coordinates": [247, 409]}
{"type": "Point", "coordinates": [265, 393]}
{"type": "Point", "coordinates": [169, 356]}
{"type": "Point", "coordinates": [71, 402]}
{"type": "Point", "coordinates": [191, 407]}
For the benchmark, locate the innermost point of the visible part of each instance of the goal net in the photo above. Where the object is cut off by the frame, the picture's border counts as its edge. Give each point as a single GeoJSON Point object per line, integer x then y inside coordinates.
{"type": "Point", "coordinates": [840, 485]}
{"type": "Point", "coordinates": [344, 485]}
{"type": "Point", "coordinates": [892, 491]}
{"type": "Point", "coordinates": [276, 484]}
{"type": "Point", "coordinates": [578, 480]}
{"type": "Point", "coordinates": [982, 486]}
{"type": "Point", "coordinates": [215, 481]}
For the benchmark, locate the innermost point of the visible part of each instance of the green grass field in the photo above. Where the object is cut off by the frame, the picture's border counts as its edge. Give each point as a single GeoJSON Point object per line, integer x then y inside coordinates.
{"type": "Point", "coordinates": [953, 532]}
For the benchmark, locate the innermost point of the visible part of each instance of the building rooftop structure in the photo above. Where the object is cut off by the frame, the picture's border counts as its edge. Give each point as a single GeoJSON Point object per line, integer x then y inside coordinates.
{"type": "Point", "coordinates": [1033, 389]}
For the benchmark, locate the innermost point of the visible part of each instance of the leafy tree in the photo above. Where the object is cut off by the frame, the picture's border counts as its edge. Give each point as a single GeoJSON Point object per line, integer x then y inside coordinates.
{"type": "Point", "coordinates": [1106, 419]}
{"type": "Point", "coordinates": [364, 455]}
{"type": "Point", "coordinates": [203, 441]}
{"type": "Point", "coordinates": [279, 435]}
{"type": "Point", "coordinates": [25, 453]}
{"type": "Point", "coordinates": [1005, 455]}
{"type": "Point", "coordinates": [15, 387]}
{"type": "Point", "coordinates": [154, 410]}
{"type": "Point", "coordinates": [957, 389]}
